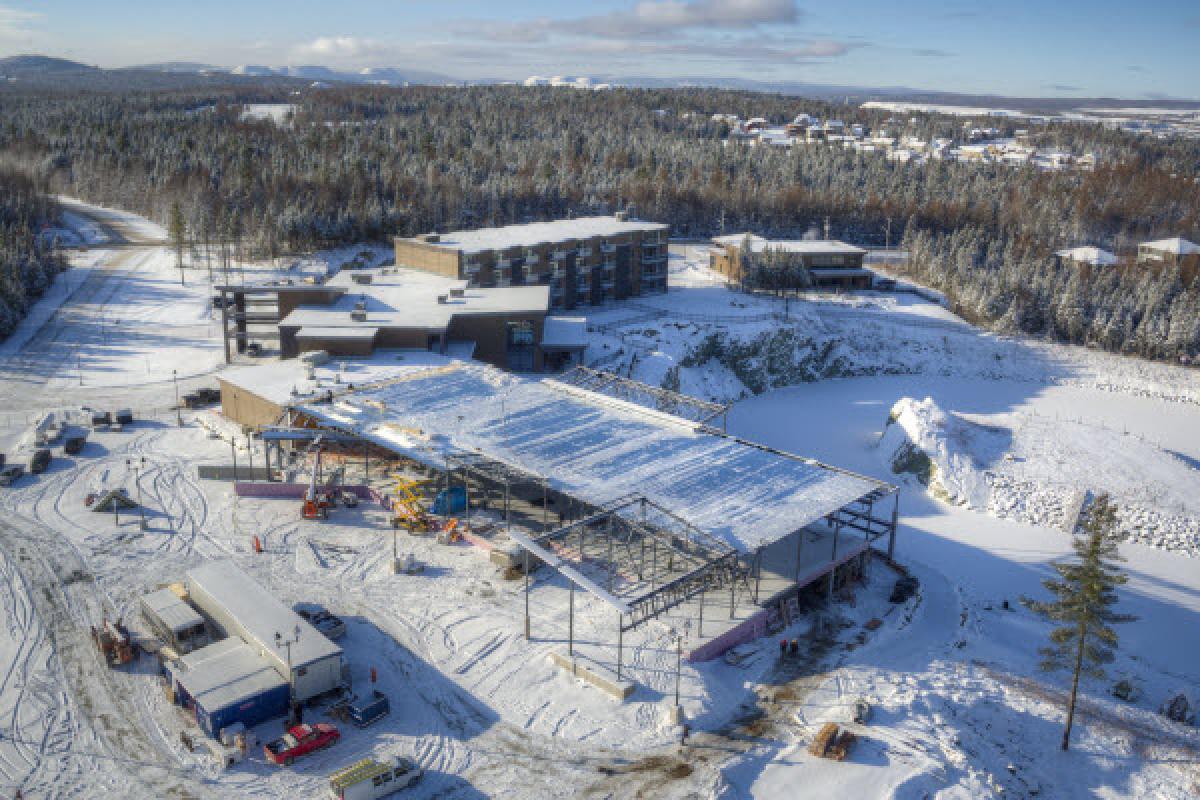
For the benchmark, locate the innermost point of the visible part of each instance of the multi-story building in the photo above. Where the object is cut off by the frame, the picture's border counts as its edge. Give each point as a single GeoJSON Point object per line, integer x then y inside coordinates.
{"type": "Point", "coordinates": [584, 261]}
{"type": "Point", "coordinates": [830, 263]}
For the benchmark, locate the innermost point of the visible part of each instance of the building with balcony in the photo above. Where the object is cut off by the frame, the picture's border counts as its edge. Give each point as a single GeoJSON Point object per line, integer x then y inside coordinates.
{"type": "Point", "coordinates": [584, 261]}
{"type": "Point", "coordinates": [1175, 252]}
{"type": "Point", "coordinates": [828, 263]}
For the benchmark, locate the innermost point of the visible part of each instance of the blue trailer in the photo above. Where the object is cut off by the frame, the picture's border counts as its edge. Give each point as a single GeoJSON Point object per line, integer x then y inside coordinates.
{"type": "Point", "coordinates": [228, 682]}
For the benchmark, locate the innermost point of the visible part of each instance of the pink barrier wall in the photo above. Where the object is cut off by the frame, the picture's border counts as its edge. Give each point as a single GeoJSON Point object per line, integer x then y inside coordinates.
{"type": "Point", "coordinates": [749, 630]}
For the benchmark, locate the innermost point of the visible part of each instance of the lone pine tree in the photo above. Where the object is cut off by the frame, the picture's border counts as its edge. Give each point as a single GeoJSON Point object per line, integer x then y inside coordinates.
{"type": "Point", "coordinates": [1085, 593]}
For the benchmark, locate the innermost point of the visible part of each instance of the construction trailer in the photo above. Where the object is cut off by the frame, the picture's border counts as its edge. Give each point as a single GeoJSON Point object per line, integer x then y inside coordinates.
{"type": "Point", "coordinates": [242, 609]}
{"type": "Point", "coordinates": [226, 683]}
{"type": "Point", "coordinates": [173, 621]}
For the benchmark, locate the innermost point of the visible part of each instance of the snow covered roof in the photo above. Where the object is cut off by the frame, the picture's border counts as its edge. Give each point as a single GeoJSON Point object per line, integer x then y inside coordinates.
{"type": "Point", "coordinates": [260, 614]}
{"type": "Point", "coordinates": [598, 449]}
{"type": "Point", "coordinates": [1177, 245]}
{"type": "Point", "coordinates": [226, 673]}
{"type": "Point", "coordinates": [565, 332]}
{"type": "Point", "coordinates": [171, 610]}
{"type": "Point", "coordinates": [408, 298]}
{"type": "Point", "coordinates": [483, 240]}
{"type": "Point", "coordinates": [813, 246]}
{"type": "Point", "coordinates": [1089, 255]}
{"type": "Point", "coordinates": [316, 332]}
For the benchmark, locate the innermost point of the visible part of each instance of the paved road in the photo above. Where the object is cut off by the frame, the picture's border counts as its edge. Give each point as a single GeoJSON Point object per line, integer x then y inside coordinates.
{"type": "Point", "coordinates": [85, 321]}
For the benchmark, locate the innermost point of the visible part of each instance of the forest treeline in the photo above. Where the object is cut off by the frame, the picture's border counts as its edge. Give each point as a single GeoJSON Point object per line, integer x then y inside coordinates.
{"type": "Point", "coordinates": [28, 261]}
{"type": "Point", "coordinates": [370, 162]}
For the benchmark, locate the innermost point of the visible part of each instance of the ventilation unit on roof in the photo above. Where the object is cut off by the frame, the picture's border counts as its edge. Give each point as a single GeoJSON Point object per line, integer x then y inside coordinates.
{"type": "Point", "coordinates": [358, 315]}
{"type": "Point", "coordinates": [622, 216]}
{"type": "Point", "coordinates": [430, 238]}
{"type": "Point", "coordinates": [443, 298]}
{"type": "Point", "coordinates": [361, 305]}
{"type": "Point", "coordinates": [458, 291]}
{"type": "Point", "coordinates": [362, 277]}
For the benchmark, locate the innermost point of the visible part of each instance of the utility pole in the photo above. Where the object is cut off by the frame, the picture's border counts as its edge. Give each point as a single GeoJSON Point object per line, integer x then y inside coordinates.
{"type": "Point", "coordinates": [137, 467]}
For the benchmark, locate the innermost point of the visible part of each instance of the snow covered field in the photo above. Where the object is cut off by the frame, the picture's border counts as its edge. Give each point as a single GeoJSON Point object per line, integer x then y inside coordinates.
{"type": "Point", "coordinates": [960, 709]}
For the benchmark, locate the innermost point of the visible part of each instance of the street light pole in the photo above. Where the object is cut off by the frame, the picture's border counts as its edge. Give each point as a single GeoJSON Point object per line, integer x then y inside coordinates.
{"type": "Point", "coordinates": [178, 411]}
{"type": "Point", "coordinates": [678, 665]}
{"type": "Point", "coordinates": [138, 466]}
{"type": "Point", "coordinates": [287, 643]}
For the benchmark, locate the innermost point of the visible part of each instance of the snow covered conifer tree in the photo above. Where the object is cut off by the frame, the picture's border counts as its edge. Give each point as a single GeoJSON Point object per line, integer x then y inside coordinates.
{"type": "Point", "coordinates": [1086, 590]}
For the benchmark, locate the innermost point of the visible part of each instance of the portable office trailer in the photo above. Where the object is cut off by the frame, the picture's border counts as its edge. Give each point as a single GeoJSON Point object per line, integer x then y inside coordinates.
{"type": "Point", "coordinates": [242, 608]}
{"type": "Point", "coordinates": [227, 683]}
{"type": "Point", "coordinates": [174, 621]}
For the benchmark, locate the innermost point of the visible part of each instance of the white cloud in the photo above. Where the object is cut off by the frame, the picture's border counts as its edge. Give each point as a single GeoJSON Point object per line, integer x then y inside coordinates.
{"type": "Point", "coordinates": [646, 19]}
{"type": "Point", "coordinates": [15, 23]}
{"type": "Point", "coordinates": [338, 49]}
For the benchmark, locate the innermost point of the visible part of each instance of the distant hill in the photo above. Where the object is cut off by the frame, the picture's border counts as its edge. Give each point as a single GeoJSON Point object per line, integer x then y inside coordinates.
{"type": "Point", "coordinates": [41, 65]}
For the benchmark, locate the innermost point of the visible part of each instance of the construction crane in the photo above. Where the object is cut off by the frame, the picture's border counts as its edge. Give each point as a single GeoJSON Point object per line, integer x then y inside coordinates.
{"type": "Point", "coordinates": [316, 501]}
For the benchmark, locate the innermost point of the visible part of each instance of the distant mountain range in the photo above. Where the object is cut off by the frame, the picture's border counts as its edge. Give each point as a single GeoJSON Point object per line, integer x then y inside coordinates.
{"type": "Point", "coordinates": [58, 73]}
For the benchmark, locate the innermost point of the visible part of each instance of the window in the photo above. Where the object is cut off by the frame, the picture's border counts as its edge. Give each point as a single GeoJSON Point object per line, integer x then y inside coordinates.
{"type": "Point", "coordinates": [378, 780]}
{"type": "Point", "coordinates": [520, 334]}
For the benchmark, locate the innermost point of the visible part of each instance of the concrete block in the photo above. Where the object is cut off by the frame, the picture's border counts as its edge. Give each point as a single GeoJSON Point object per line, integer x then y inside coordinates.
{"type": "Point", "coordinates": [595, 674]}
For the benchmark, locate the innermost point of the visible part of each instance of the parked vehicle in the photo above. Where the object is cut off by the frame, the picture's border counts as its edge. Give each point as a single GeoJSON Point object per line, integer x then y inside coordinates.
{"type": "Point", "coordinates": [300, 741]}
{"type": "Point", "coordinates": [254, 349]}
{"type": "Point", "coordinates": [1, 459]}
{"type": "Point", "coordinates": [9, 474]}
{"type": "Point", "coordinates": [124, 416]}
{"type": "Point", "coordinates": [40, 460]}
{"type": "Point", "coordinates": [349, 499]}
{"type": "Point", "coordinates": [209, 394]}
{"type": "Point", "coordinates": [113, 642]}
{"type": "Point", "coordinates": [73, 445]}
{"type": "Point", "coordinates": [330, 626]}
{"type": "Point", "coordinates": [364, 711]}
{"type": "Point", "coordinates": [101, 419]}
{"type": "Point", "coordinates": [370, 779]}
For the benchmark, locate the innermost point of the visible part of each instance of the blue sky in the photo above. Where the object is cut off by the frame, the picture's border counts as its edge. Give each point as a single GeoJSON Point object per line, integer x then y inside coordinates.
{"type": "Point", "coordinates": [1018, 47]}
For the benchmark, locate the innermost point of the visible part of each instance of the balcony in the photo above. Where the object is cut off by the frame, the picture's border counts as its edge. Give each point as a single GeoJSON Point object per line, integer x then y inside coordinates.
{"type": "Point", "coordinates": [608, 248]}
{"type": "Point", "coordinates": [584, 252]}
{"type": "Point", "coordinates": [653, 259]}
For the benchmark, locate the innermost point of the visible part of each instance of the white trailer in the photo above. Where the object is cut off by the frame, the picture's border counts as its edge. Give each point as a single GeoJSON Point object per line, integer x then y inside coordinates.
{"type": "Point", "coordinates": [300, 654]}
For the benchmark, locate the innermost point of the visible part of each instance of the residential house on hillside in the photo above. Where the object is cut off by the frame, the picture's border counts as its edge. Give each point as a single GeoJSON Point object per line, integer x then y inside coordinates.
{"type": "Point", "coordinates": [829, 263]}
{"type": "Point", "coordinates": [1174, 252]}
{"type": "Point", "coordinates": [1089, 256]}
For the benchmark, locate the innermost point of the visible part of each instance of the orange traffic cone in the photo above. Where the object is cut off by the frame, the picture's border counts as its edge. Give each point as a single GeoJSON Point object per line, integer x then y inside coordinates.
{"type": "Point", "coordinates": [257, 544]}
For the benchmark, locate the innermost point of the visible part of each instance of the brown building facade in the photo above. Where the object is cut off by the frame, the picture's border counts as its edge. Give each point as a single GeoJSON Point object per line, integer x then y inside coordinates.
{"type": "Point", "coordinates": [585, 261]}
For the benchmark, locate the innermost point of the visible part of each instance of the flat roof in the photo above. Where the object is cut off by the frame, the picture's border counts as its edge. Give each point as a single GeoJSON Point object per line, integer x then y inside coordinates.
{"type": "Point", "coordinates": [274, 381]}
{"type": "Point", "coordinates": [398, 297]}
{"type": "Point", "coordinates": [313, 332]}
{"type": "Point", "coordinates": [598, 449]}
{"type": "Point", "coordinates": [259, 612]}
{"type": "Point", "coordinates": [482, 240]}
{"type": "Point", "coordinates": [567, 333]}
{"type": "Point", "coordinates": [172, 610]}
{"type": "Point", "coordinates": [226, 673]}
{"type": "Point", "coordinates": [813, 246]}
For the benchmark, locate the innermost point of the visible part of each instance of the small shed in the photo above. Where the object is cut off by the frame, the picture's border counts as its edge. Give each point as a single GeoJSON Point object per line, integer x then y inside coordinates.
{"type": "Point", "coordinates": [226, 683]}
{"type": "Point", "coordinates": [118, 497]}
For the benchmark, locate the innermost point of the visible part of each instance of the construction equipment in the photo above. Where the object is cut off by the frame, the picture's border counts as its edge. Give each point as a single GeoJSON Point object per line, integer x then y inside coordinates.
{"type": "Point", "coordinates": [316, 500]}
{"type": "Point", "coordinates": [407, 505]}
{"type": "Point", "coordinates": [112, 639]}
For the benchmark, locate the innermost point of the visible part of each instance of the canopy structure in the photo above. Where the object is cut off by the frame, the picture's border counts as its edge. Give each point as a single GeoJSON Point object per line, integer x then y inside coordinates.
{"type": "Point", "coordinates": [598, 448]}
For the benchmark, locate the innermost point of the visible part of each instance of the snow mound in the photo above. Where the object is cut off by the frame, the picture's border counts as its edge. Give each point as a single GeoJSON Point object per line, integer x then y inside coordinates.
{"type": "Point", "coordinates": [943, 450]}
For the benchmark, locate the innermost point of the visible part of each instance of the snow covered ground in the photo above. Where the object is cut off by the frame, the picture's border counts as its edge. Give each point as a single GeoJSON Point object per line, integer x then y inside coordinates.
{"type": "Point", "coordinates": [960, 709]}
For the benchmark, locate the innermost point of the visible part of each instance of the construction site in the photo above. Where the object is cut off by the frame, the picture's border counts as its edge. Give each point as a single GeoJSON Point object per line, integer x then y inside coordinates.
{"type": "Point", "coordinates": [631, 494]}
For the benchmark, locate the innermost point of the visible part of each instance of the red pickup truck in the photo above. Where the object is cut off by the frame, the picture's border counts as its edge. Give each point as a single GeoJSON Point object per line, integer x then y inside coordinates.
{"type": "Point", "coordinates": [300, 741]}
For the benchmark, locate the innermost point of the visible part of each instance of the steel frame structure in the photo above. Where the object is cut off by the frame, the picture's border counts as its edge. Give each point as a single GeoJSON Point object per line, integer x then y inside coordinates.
{"type": "Point", "coordinates": [643, 394]}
